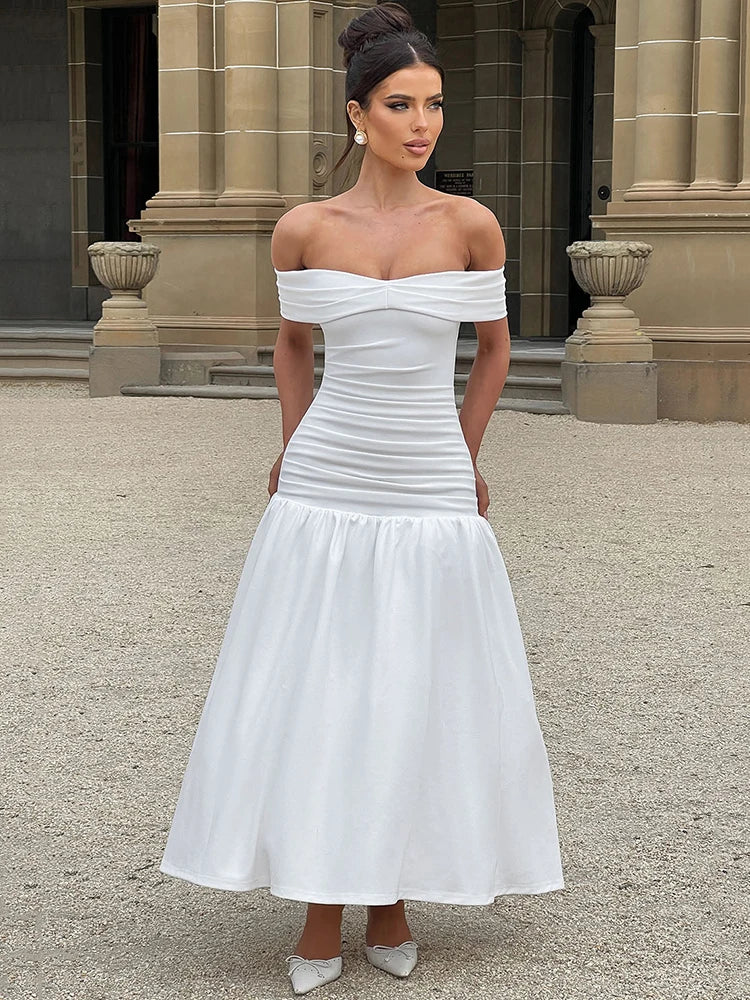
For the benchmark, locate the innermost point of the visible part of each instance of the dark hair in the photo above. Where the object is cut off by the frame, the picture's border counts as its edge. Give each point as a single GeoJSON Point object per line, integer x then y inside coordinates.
{"type": "Point", "coordinates": [380, 41]}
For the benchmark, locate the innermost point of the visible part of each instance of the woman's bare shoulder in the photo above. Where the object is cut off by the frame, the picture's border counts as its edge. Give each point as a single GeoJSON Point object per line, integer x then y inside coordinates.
{"type": "Point", "coordinates": [292, 233]}
{"type": "Point", "coordinates": [480, 230]}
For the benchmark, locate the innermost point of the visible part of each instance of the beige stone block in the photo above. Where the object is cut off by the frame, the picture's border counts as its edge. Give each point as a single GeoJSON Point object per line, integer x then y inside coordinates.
{"type": "Point", "coordinates": [721, 18]}
{"type": "Point", "coordinates": [488, 46]}
{"type": "Point", "coordinates": [626, 22]}
{"type": "Point", "coordinates": [111, 368]}
{"type": "Point", "coordinates": [187, 163]}
{"type": "Point", "coordinates": [251, 161]}
{"type": "Point", "coordinates": [295, 44]}
{"type": "Point", "coordinates": [322, 106]}
{"type": "Point", "coordinates": [718, 77]}
{"type": "Point", "coordinates": [704, 391]}
{"type": "Point", "coordinates": [623, 150]}
{"type": "Point", "coordinates": [251, 98]}
{"type": "Point", "coordinates": [459, 84]}
{"type": "Point", "coordinates": [250, 34]}
{"type": "Point", "coordinates": [209, 275]}
{"type": "Point", "coordinates": [322, 42]}
{"type": "Point", "coordinates": [625, 88]}
{"type": "Point", "coordinates": [707, 268]}
{"type": "Point", "coordinates": [295, 164]}
{"type": "Point", "coordinates": [82, 274]}
{"type": "Point", "coordinates": [455, 152]}
{"type": "Point", "coordinates": [662, 151]}
{"type": "Point", "coordinates": [185, 36]}
{"type": "Point", "coordinates": [665, 72]}
{"type": "Point", "coordinates": [611, 393]}
{"type": "Point", "coordinates": [666, 20]}
{"type": "Point", "coordinates": [294, 98]}
{"type": "Point", "coordinates": [187, 102]}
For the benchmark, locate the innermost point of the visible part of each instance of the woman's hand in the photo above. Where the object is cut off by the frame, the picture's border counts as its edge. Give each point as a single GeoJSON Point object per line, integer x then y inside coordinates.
{"type": "Point", "coordinates": [273, 479]}
{"type": "Point", "coordinates": [483, 494]}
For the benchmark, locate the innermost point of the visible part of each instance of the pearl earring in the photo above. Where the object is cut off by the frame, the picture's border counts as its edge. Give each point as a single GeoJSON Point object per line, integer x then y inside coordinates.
{"type": "Point", "coordinates": [360, 137]}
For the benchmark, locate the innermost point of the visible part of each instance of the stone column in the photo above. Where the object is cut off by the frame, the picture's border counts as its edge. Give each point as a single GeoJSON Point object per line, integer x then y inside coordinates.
{"type": "Point", "coordinates": [717, 121]}
{"type": "Point", "coordinates": [663, 128]}
{"type": "Point", "coordinates": [251, 105]}
{"type": "Point", "coordinates": [187, 144]}
{"type": "Point", "coordinates": [625, 97]}
{"type": "Point", "coordinates": [604, 36]}
{"type": "Point", "coordinates": [743, 188]}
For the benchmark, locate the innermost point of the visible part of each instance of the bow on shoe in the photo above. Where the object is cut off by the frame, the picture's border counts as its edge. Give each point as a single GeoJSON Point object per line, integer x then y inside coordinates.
{"type": "Point", "coordinates": [406, 950]}
{"type": "Point", "coordinates": [316, 964]}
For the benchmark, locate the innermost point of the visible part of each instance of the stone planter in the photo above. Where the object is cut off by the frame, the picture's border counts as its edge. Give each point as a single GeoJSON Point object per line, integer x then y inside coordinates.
{"type": "Point", "coordinates": [125, 269]}
{"type": "Point", "coordinates": [608, 331]}
{"type": "Point", "coordinates": [126, 342]}
{"type": "Point", "coordinates": [609, 375]}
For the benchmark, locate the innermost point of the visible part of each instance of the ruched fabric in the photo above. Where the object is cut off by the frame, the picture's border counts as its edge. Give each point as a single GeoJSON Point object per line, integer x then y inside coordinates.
{"type": "Point", "coordinates": [370, 731]}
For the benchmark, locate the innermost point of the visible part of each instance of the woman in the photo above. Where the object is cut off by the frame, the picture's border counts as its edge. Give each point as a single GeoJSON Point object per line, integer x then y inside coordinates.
{"type": "Point", "coordinates": [370, 732]}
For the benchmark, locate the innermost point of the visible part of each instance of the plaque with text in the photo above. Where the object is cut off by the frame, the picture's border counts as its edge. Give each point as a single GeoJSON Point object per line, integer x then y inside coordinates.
{"type": "Point", "coordinates": [455, 181]}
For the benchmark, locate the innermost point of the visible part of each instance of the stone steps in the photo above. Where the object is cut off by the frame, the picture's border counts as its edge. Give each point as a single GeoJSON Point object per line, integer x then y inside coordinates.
{"type": "Point", "coordinates": [43, 350]}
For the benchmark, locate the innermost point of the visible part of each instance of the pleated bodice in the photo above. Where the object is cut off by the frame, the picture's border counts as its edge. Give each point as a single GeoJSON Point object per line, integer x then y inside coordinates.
{"type": "Point", "coordinates": [382, 434]}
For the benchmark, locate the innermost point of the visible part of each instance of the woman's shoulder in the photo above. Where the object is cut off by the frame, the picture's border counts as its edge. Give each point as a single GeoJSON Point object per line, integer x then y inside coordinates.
{"type": "Point", "coordinates": [480, 230]}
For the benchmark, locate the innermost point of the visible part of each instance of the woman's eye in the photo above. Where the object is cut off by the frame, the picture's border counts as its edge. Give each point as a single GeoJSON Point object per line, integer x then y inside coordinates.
{"type": "Point", "coordinates": [402, 104]}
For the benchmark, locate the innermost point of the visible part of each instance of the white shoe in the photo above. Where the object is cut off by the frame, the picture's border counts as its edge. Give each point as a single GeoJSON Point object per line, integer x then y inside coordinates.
{"type": "Point", "coordinates": [307, 973]}
{"type": "Point", "coordinates": [399, 960]}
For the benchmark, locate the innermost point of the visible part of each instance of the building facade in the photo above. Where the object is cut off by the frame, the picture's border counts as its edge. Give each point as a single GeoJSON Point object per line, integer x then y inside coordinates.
{"type": "Point", "coordinates": [196, 125]}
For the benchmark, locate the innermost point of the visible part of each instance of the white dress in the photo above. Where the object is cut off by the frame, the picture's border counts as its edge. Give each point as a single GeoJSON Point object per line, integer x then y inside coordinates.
{"type": "Point", "coordinates": [370, 732]}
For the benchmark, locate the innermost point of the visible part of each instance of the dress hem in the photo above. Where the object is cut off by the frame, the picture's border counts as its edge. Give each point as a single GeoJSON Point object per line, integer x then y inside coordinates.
{"type": "Point", "coordinates": [360, 898]}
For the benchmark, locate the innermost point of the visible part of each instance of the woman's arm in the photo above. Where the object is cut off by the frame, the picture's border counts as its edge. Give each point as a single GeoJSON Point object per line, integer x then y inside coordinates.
{"type": "Point", "coordinates": [293, 364]}
{"type": "Point", "coordinates": [293, 359]}
{"type": "Point", "coordinates": [490, 367]}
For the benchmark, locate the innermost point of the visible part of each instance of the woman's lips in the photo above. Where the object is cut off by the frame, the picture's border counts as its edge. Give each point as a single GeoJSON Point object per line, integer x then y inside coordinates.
{"type": "Point", "coordinates": [417, 147]}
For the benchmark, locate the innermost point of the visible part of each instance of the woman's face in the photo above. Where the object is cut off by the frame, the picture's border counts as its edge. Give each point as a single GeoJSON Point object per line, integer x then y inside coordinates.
{"type": "Point", "coordinates": [404, 118]}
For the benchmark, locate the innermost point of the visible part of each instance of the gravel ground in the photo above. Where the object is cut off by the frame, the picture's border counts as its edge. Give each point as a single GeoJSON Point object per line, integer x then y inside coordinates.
{"type": "Point", "coordinates": [124, 525]}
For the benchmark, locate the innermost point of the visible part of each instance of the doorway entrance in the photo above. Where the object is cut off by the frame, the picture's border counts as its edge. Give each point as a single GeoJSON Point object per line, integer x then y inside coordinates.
{"type": "Point", "coordinates": [130, 79]}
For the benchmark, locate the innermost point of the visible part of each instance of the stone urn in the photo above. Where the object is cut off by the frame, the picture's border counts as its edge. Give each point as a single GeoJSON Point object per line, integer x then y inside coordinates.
{"type": "Point", "coordinates": [125, 268]}
{"type": "Point", "coordinates": [609, 271]}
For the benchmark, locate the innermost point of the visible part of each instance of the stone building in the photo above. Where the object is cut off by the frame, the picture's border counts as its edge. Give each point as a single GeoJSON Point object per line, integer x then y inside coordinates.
{"type": "Point", "coordinates": [195, 125]}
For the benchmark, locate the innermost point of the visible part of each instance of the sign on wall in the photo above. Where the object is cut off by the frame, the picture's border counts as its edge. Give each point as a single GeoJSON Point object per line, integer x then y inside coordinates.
{"type": "Point", "coordinates": [455, 181]}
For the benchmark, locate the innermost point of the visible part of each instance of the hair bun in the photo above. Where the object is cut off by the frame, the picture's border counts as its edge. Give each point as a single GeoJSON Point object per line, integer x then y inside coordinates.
{"type": "Point", "coordinates": [376, 22]}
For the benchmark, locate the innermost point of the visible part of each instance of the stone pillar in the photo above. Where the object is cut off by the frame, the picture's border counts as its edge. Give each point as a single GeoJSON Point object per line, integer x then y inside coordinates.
{"type": "Point", "coordinates": [125, 350]}
{"type": "Point", "coordinates": [743, 188]}
{"type": "Point", "coordinates": [663, 127]}
{"type": "Point", "coordinates": [717, 120]}
{"type": "Point", "coordinates": [609, 375]}
{"type": "Point", "coordinates": [625, 98]}
{"type": "Point", "coordinates": [604, 68]}
{"type": "Point", "coordinates": [250, 105]}
{"type": "Point", "coordinates": [187, 122]}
